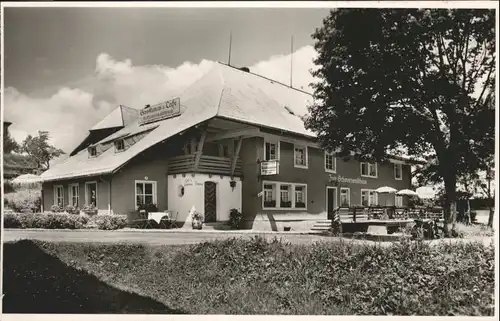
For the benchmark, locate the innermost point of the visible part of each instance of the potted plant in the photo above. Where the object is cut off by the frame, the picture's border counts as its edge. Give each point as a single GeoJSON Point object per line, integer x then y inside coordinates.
{"type": "Point", "coordinates": [269, 203]}
{"type": "Point", "coordinates": [70, 209]}
{"type": "Point", "coordinates": [300, 204]}
{"type": "Point", "coordinates": [286, 204]}
{"type": "Point", "coordinates": [90, 209]}
{"type": "Point", "coordinates": [197, 221]}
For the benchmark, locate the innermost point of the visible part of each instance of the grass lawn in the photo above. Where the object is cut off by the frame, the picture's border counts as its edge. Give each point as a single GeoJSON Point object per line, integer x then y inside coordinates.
{"type": "Point", "coordinates": [249, 276]}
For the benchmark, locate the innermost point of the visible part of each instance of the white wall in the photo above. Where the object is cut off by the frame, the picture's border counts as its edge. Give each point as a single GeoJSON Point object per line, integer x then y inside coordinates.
{"type": "Point", "coordinates": [194, 190]}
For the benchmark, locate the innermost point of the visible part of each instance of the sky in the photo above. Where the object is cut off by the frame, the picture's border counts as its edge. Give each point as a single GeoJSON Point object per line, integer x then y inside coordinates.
{"type": "Point", "coordinates": [67, 68]}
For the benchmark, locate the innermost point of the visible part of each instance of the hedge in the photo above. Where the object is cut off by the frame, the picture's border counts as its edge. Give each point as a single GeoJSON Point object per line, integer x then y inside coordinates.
{"type": "Point", "coordinates": [64, 221]}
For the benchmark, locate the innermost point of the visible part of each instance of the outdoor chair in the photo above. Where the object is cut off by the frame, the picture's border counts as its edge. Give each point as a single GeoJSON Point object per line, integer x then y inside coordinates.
{"type": "Point", "coordinates": [169, 220]}
{"type": "Point", "coordinates": [143, 221]}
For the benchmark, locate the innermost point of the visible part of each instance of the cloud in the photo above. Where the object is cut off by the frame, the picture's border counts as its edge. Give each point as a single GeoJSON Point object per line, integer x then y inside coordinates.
{"type": "Point", "coordinates": [70, 112]}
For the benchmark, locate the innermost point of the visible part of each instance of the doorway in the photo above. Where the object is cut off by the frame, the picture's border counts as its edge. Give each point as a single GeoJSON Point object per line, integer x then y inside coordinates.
{"type": "Point", "coordinates": [210, 202]}
{"type": "Point", "coordinates": [331, 200]}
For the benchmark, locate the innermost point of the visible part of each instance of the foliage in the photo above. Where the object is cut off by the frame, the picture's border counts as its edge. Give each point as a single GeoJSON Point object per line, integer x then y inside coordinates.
{"type": "Point", "coordinates": [39, 150]}
{"type": "Point", "coordinates": [109, 222]}
{"type": "Point", "coordinates": [256, 276]}
{"type": "Point", "coordinates": [63, 220]}
{"type": "Point", "coordinates": [435, 99]}
{"type": "Point", "coordinates": [45, 221]}
{"type": "Point", "coordinates": [89, 209]}
{"type": "Point", "coordinates": [197, 216]}
{"type": "Point", "coordinates": [24, 200]}
{"type": "Point", "coordinates": [235, 218]}
{"type": "Point", "coordinates": [9, 144]}
{"type": "Point", "coordinates": [70, 209]}
{"type": "Point", "coordinates": [55, 209]}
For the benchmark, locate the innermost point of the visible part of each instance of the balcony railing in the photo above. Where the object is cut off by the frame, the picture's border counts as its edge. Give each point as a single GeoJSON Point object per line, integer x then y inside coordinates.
{"type": "Point", "coordinates": [206, 165]}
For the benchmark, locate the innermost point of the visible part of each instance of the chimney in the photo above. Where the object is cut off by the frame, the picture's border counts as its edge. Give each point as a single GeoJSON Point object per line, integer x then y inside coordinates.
{"type": "Point", "coordinates": [246, 69]}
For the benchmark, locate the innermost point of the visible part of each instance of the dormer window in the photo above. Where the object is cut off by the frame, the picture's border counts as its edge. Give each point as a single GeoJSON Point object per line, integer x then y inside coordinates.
{"type": "Point", "coordinates": [92, 151]}
{"type": "Point", "coordinates": [119, 145]}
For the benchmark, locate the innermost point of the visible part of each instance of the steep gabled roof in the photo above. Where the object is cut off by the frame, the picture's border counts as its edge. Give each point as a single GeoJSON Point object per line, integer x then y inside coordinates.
{"type": "Point", "coordinates": [225, 92]}
{"type": "Point", "coordinates": [120, 116]}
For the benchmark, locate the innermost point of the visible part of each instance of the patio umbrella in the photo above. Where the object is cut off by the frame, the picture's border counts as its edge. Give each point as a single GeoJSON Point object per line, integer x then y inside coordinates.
{"type": "Point", "coordinates": [407, 192]}
{"type": "Point", "coordinates": [386, 190]}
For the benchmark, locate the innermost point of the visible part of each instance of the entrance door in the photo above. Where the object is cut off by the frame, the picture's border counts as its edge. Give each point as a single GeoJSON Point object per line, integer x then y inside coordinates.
{"type": "Point", "coordinates": [331, 200]}
{"type": "Point", "coordinates": [210, 202]}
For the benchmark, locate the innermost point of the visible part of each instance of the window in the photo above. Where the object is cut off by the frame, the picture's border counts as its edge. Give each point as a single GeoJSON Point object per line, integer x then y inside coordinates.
{"type": "Point", "coordinates": [285, 199]}
{"type": "Point", "coordinates": [398, 172]}
{"type": "Point", "coordinates": [300, 156]}
{"type": "Point", "coordinates": [91, 193]}
{"type": "Point", "coordinates": [74, 194]}
{"type": "Point", "coordinates": [271, 151]}
{"type": "Point", "coordinates": [369, 170]}
{"type": "Point", "coordinates": [269, 195]}
{"type": "Point", "coordinates": [119, 145]}
{"type": "Point", "coordinates": [399, 201]}
{"type": "Point", "coordinates": [92, 151]}
{"type": "Point", "coordinates": [300, 196]}
{"type": "Point", "coordinates": [369, 197]}
{"type": "Point", "coordinates": [291, 196]}
{"type": "Point", "coordinates": [345, 197]}
{"type": "Point", "coordinates": [59, 195]}
{"type": "Point", "coordinates": [330, 163]}
{"type": "Point", "coordinates": [145, 192]}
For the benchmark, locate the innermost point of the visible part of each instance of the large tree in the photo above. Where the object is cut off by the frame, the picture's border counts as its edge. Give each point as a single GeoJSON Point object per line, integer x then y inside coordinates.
{"type": "Point", "coordinates": [418, 80]}
{"type": "Point", "coordinates": [9, 144]}
{"type": "Point", "coordinates": [39, 150]}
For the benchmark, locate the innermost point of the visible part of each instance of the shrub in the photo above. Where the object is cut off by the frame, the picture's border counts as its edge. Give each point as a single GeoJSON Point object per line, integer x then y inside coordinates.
{"type": "Point", "coordinates": [24, 200]}
{"type": "Point", "coordinates": [89, 209]}
{"type": "Point", "coordinates": [47, 221]}
{"type": "Point", "coordinates": [70, 209]}
{"type": "Point", "coordinates": [108, 222]}
{"type": "Point", "coordinates": [11, 220]}
{"type": "Point", "coordinates": [55, 209]}
{"type": "Point", "coordinates": [235, 218]}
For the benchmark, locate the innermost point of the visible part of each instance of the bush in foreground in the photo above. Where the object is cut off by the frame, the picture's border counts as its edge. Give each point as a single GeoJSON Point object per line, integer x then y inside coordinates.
{"type": "Point", "coordinates": [255, 276]}
{"type": "Point", "coordinates": [64, 221]}
{"type": "Point", "coordinates": [109, 222]}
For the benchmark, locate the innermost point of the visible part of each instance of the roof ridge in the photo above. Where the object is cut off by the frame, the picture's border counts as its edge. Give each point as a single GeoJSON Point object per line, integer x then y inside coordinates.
{"type": "Point", "coordinates": [264, 77]}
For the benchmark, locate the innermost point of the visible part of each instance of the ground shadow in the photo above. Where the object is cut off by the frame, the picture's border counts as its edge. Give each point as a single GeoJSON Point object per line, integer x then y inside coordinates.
{"type": "Point", "coordinates": [36, 282]}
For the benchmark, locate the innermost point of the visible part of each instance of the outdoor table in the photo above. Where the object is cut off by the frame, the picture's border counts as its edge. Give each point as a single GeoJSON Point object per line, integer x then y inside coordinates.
{"type": "Point", "coordinates": [157, 216]}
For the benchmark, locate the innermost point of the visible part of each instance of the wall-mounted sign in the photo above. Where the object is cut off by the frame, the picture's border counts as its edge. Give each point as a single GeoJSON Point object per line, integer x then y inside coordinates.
{"type": "Point", "coordinates": [269, 168]}
{"type": "Point", "coordinates": [164, 110]}
{"type": "Point", "coordinates": [342, 179]}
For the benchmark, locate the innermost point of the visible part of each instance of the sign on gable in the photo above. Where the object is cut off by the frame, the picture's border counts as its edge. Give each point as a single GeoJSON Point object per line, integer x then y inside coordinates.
{"type": "Point", "coordinates": [164, 110]}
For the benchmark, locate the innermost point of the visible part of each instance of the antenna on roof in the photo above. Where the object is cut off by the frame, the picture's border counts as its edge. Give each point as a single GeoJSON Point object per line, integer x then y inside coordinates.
{"type": "Point", "coordinates": [291, 62]}
{"type": "Point", "coordinates": [230, 41]}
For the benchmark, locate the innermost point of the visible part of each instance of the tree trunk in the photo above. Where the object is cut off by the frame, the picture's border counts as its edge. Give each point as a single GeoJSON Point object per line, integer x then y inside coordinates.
{"type": "Point", "coordinates": [490, 217]}
{"type": "Point", "coordinates": [492, 213]}
{"type": "Point", "coordinates": [450, 206]}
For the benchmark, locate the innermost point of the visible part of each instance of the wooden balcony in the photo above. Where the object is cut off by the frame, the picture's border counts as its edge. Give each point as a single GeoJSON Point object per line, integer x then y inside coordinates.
{"type": "Point", "coordinates": [206, 165]}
